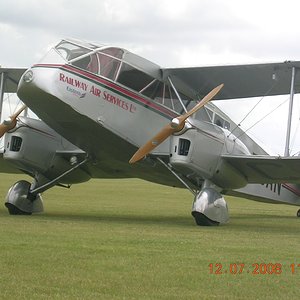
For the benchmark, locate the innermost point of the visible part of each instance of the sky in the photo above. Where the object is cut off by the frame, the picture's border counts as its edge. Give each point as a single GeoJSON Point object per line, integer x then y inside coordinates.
{"type": "Point", "coordinates": [171, 33]}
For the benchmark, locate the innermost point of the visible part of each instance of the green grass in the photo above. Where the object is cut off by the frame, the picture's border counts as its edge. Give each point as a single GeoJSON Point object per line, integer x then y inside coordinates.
{"type": "Point", "coordinates": [129, 239]}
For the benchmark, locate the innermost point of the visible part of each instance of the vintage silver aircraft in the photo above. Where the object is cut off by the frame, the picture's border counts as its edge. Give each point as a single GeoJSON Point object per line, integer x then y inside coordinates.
{"type": "Point", "coordinates": [108, 113]}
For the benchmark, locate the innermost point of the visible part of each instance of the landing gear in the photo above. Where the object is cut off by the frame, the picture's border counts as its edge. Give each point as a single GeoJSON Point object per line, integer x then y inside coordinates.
{"type": "Point", "coordinates": [24, 198]}
{"type": "Point", "coordinates": [18, 201]}
{"type": "Point", "coordinates": [298, 213]}
{"type": "Point", "coordinates": [210, 208]}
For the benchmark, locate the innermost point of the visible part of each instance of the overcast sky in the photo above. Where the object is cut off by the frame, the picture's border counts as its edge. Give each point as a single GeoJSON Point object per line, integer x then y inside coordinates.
{"type": "Point", "coordinates": [171, 33]}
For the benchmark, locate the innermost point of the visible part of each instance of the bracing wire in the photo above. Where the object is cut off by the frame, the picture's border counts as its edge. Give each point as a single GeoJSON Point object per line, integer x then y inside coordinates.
{"type": "Point", "coordinates": [8, 100]}
{"type": "Point", "coordinates": [246, 116]}
{"type": "Point", "coordinates": [265, 116]}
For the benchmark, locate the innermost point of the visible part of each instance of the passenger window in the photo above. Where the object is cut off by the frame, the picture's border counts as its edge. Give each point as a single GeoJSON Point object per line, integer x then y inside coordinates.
{"type": "Point", "coordinates": [153, 89]}
{"type": "Point", "coordinates": [166, 96]}
{"type": "Point", "coordinates": [221, 122]}
{"type": "Point", "coordinates": [133, 78]}
{"type": "Point", "coordinates": [226, 125]}
{"type": "Point", "coordinates": [218, 121]}
{"type": "Point", "coordinates": [204, 115]}
{"type": "Point", "coordinates": [209, 113]}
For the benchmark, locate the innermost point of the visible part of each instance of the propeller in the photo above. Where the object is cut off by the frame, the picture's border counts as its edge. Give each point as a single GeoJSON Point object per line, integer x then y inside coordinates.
{"type": "Point", "coordinates": [10, 123]}
{"type": "Point", "coordinates": [176, 125]}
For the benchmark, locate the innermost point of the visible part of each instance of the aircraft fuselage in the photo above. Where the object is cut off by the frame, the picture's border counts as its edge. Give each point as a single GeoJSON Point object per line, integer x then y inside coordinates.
{"type": "Point", "coordinates": [104, 117]}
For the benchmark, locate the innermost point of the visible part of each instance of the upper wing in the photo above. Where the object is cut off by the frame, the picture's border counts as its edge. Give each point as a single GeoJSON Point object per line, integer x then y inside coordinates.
{"type": "Point", "coordinates": [241, 81]}
{"type": "Point", "coordinates": [266, 169]}
{"type": "Point", "coordinates": [11, 78]}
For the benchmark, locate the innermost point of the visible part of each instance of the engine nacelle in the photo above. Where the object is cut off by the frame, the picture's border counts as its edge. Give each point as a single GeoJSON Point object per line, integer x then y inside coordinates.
{"type": "Point", "coordinates": [197, 154]}
{"type": "Point", "coordinates": [37, 150]}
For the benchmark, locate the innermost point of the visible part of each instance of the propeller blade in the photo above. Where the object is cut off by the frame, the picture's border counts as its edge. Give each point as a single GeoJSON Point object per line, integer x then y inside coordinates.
{"type": "Point", "coordinates": [10, 124]}
{"type": "Point", "coordinates": [176, 125]}
{"type": "Point", "coordinates": [18, 112]}
{"type": "Point", "coordinates": [153, 143]}
{"type": "Point", "coordinates": [206, 99]}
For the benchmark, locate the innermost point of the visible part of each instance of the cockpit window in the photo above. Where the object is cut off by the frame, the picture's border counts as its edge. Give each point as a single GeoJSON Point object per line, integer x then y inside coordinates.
{"type": "Point", "coordinates": [70, 51]}
{"type": "Point", "coordinates": [99, 63]}
{"type": "Point", "coordinates": [109, 66]}
{"type": "Point", "coordinates": [115, 52]}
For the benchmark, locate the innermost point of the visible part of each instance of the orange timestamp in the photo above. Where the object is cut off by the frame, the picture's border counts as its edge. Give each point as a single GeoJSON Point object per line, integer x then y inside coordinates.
{"type": "Point", "coordinates": [254, 269]}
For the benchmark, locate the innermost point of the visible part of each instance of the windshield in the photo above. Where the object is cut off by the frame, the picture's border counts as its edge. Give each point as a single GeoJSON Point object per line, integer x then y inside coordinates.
{"type": "Point", "coordinates": [70, 51]}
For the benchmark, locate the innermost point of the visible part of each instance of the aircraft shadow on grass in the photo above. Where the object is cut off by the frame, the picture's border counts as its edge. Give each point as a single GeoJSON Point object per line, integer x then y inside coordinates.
{"type": "Point", "coordinates": [252, 222]}
{"type": "Point", "coordinates": [124, 219]}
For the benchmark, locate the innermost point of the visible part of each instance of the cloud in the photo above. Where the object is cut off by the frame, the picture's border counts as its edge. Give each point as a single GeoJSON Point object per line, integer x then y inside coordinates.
{"type": "Point", "coordinates": [164, 26]}
{"type": "Point", "coordinates": [169, 32]}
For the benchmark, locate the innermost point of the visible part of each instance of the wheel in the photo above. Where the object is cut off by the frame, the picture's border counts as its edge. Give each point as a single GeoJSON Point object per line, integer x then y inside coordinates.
{"type": "Point", "coordinates": [13, 210]}
{"type": "Point", "coordinates": [298, 213]}
{"type": "Point", "coordinates": [17, 201]}
{"type": "Point", "coordinates": [203, 220]}
{"type": "Point", "coordinates": [210, 208]}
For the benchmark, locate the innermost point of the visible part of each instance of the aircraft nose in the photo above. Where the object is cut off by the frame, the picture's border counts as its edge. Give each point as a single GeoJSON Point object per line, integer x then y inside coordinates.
{"type": "Point", "coordinates": [31, 88]}
{"type": "Point", "coordinates": [28, 76]}
{"type": "Point", "coordinates": [26, 79]}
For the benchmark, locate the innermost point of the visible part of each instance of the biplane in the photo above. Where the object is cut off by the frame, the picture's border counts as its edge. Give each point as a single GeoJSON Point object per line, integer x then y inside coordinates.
{"type": "Point", "coordinates": [105, 112]}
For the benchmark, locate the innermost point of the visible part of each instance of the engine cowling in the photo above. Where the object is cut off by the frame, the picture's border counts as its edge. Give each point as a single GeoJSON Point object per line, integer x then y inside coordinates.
{"type": "Point", "coordinates": [37, 150]}
{"type": "Point", "coordinates": [197, 154]}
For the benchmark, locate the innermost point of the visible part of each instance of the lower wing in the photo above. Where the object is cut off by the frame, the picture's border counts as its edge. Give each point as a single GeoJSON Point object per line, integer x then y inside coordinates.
{"type": "Point", "coordinates": [266, 169]}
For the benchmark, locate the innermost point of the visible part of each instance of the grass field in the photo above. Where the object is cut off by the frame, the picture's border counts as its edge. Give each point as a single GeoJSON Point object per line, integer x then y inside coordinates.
{"type": "Point", "coordinates": [129, 239]}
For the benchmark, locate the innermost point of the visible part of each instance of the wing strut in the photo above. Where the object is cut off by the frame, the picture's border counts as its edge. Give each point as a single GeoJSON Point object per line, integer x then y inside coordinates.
{"type": "Point", "coordinates": [288, 132]}
{"type": "Point", "coordinates": [2, 78]}
{"type": "Point", "coordinates": [177, 94]}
